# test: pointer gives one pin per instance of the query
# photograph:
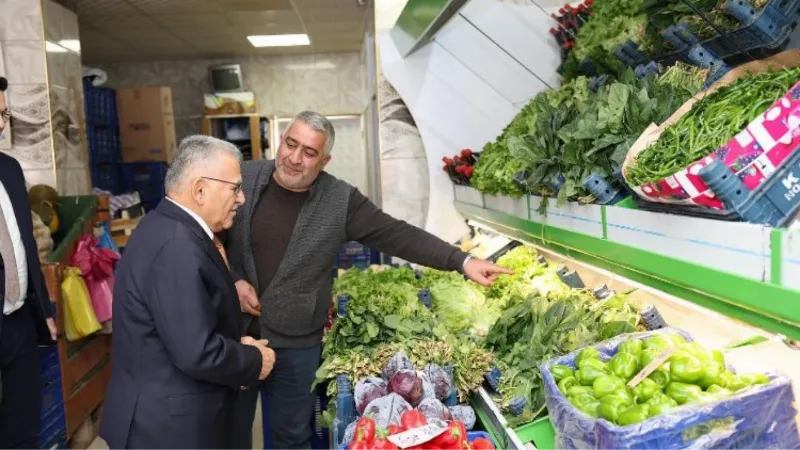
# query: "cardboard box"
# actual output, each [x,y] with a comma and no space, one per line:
[230,103]
[146,124]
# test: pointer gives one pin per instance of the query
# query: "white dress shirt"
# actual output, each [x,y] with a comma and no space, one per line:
[197,218]
[12,304]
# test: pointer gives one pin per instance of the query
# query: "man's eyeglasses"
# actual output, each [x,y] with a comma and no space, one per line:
[237,187]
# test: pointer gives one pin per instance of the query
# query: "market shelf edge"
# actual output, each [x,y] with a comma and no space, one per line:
[753,274]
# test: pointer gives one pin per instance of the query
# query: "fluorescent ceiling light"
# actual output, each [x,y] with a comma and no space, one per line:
[71,44]
[53,47]
[279,40]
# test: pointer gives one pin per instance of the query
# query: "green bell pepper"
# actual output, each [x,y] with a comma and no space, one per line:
[725,379]
[719,357]
[567,383]
[736,383]
[751,379]
[661,403]
[660,376]
[647,355]
[590,408]
[634,414]
[586,376]
[634,347]
[591,362]
[659,342]
[607,384]
[586,403]
[682,392]
[698,351]
[577,390]
[676,339]
[645,390]
[560,372]
[588,352]
[718,390]
[686,369]
[625,394]
[711,372]
[610,407]
[623,365]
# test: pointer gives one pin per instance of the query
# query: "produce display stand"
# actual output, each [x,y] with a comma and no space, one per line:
[745,271]
[710,328]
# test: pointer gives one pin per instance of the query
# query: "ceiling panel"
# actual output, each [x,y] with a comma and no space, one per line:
[120,30]
[253,5]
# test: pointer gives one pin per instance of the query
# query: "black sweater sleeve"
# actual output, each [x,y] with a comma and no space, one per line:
[369,225]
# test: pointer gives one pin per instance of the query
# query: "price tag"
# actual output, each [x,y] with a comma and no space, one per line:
[418,436]
[650,368]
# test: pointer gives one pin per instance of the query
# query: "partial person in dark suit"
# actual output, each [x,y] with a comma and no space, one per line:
[26,321]
[178,358]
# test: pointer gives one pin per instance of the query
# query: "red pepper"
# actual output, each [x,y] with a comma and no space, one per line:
[365,430]
[394,429]
[360,446]
[383,444]
[466,153]
[456,158]
[468,171]
[482,444]
[452,437]
[412,419]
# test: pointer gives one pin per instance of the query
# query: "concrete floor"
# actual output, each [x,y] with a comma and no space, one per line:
[258,433]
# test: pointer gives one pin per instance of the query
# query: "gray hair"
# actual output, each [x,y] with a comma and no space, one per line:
[194,151]
[320,123]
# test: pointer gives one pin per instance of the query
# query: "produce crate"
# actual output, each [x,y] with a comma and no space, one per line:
[354,254]
[145,178]
[763,156]
[471,437]
[759,417]
[540,432]
[100,105]
[104,144]
[107,177]
[53,425]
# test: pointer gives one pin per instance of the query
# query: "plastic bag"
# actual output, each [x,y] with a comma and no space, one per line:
[758,417]
[397,363]
[97,266]
[79,318]
[104,240]
[367,390]
[387,410]
[432,409]
[441,381]
[464,414]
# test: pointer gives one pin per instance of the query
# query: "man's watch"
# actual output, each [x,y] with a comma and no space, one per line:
[464,264]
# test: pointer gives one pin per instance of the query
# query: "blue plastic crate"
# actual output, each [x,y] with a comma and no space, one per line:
[104,144]
[107,177]
[354,254]
[760,417]
[145,178]
[53,425]
[100,105]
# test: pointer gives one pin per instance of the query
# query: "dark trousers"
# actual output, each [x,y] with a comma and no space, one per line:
[290,401]
[19,376]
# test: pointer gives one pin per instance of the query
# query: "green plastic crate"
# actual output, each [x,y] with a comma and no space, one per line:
[540,432]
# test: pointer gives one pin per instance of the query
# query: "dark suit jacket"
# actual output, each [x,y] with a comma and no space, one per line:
[37,298]
[176,358]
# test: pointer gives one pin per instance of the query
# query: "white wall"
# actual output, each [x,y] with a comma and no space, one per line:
[467,84]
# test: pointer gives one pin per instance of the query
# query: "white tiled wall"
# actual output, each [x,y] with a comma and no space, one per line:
[467,84]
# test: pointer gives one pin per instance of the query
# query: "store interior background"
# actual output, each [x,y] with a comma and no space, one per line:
[457,92]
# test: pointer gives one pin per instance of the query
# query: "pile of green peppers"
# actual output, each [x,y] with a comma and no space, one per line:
[692,375]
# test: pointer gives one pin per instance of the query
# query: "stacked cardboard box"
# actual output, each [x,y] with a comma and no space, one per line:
[146,124]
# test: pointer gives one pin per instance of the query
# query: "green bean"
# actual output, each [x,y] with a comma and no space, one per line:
[710,124]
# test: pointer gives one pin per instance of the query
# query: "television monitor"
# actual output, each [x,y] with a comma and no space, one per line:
[225,78]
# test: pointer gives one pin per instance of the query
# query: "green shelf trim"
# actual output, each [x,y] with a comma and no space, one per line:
[765,305]
[776,247]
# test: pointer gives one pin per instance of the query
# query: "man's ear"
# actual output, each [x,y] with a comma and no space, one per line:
[198,190]
[325,160]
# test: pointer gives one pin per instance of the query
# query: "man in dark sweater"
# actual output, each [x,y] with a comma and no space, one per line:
[282,249]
